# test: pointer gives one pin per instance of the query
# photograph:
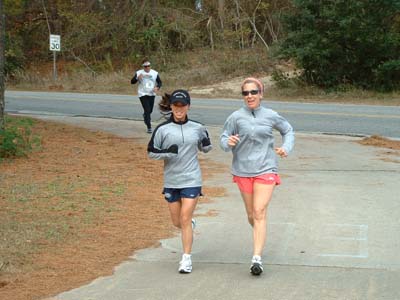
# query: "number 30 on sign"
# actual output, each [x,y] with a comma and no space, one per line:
[55,42]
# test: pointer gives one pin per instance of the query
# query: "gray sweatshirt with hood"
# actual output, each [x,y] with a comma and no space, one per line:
[254,154]
[178,143]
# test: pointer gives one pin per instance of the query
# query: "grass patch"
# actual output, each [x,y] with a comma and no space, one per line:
[39,213]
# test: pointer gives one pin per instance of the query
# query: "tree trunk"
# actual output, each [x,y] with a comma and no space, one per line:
[210,30]
[153,5]
[221,13]
[241,42]
[270,25]
[2,45]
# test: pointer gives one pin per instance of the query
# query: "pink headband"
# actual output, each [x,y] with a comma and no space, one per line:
[256,81]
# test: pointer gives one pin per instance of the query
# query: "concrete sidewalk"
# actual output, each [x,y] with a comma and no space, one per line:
[333,231]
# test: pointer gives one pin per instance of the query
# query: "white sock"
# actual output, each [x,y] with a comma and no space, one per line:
[185,255]
[256,258]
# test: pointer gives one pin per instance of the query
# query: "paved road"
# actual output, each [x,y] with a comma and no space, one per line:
[333,231]
[305,117]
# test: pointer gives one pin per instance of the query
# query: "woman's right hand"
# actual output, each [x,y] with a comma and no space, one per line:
[173,149]
[233,140]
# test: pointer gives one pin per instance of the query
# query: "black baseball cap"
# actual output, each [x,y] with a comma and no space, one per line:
[181,96]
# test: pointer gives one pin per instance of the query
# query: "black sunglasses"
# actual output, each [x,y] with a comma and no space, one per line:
[253,92]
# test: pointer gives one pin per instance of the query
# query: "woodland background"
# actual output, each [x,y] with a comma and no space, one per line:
[329,44]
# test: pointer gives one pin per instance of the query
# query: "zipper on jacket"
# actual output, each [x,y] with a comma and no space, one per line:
[183,138]
[252,112]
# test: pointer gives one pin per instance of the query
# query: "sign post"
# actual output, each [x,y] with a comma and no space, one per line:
[55,45]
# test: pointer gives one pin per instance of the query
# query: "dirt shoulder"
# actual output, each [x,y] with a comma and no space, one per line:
[77,208]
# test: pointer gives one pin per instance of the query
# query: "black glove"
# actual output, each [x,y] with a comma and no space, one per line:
[205,142]
[173,149]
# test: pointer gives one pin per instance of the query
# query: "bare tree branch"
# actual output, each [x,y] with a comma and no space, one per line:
[253,24]
[47,18]
[259,35]
[82,62]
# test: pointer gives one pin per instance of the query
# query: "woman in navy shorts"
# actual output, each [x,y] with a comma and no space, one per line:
[248,133]
[177,142]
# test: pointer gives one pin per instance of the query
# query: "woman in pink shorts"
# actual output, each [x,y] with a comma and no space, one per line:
[248,133]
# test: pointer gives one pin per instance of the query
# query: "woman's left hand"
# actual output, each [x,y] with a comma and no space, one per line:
[281,152]
[233,140]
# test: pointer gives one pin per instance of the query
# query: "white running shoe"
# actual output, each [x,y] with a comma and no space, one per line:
[185,265]
[256,267]
[193,223]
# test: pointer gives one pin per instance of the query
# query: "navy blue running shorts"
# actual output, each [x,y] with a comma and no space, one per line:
[173,195]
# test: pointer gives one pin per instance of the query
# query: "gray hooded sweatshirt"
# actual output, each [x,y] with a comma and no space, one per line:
[182,169]
[254,154]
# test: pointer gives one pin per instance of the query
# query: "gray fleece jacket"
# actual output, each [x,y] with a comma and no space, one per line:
[254,154]
[178,145]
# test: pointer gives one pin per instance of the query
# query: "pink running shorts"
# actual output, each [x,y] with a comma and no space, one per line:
[245,184]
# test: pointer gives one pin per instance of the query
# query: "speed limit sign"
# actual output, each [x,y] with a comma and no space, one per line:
[55,42]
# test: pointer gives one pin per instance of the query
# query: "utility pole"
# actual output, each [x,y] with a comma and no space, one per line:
[2,47]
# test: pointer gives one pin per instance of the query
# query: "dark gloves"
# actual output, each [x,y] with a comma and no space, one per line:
[173,149]
[205,142]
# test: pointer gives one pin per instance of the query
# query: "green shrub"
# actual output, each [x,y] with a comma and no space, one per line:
[388,75]
[17,139]
[345,42]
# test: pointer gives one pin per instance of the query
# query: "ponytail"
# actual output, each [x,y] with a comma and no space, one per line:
[164,105]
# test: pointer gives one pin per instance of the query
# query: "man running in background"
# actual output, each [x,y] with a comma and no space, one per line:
[149,84]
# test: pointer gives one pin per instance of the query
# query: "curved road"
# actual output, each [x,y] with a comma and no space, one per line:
[305,117]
